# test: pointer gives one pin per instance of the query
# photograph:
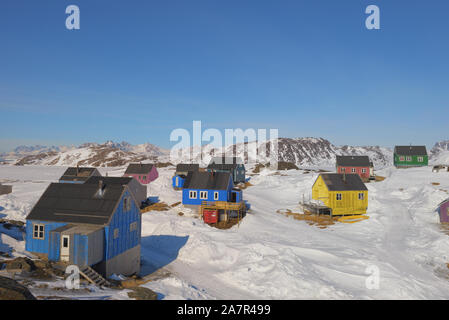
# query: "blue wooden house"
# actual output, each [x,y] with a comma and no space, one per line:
[79,174]
[233,165]
[182,170]
[92,224]
[202,187]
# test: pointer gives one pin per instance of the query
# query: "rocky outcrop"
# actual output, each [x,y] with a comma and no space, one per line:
[12,290]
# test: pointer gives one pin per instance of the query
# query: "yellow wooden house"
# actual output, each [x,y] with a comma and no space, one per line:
[344,194]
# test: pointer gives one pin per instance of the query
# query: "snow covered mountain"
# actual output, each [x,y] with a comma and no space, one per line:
[439,154]
[304,152]
[109,154]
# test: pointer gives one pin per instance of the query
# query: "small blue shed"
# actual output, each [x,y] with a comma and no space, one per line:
[178,182]
[91,224]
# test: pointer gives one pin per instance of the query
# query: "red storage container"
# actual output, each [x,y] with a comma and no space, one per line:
[210,216]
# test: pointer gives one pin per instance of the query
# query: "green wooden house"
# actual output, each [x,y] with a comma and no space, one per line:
[410,156]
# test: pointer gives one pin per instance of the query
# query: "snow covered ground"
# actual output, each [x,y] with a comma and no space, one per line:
[270,256]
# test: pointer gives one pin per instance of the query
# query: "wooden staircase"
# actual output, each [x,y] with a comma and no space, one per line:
[94,277]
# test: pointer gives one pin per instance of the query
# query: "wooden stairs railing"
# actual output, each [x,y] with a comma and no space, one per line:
[94,277]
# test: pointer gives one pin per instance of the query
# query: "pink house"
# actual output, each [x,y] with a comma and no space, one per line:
[144,173]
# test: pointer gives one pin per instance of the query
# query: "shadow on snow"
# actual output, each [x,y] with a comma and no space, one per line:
[159,251]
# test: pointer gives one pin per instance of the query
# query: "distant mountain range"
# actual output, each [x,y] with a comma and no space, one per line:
[304,152]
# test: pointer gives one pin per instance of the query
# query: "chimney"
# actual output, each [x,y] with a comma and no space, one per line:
[100,188]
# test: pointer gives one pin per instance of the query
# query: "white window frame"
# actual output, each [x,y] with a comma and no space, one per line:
[216,195]
[363,170]
[341,196]
[203,195]
[361,196]
[408,158]
[193,194]
[40,230]
[342,169]
[420,159]
[353,170]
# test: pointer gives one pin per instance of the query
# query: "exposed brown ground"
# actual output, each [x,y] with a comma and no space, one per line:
[225,225]
[175,204]
[435,183]
[379,178]
[245,185]
[320,221]
[160,206]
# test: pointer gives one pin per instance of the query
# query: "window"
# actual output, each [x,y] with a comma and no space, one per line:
[339,196]
[116,233]
[361,196]
[353,170]
[401,158]
[203,195]
[343,169]
[409,158]
[420,159]
[126,204]
[192,194]
[65,242]
[39,231]
[364,170]
[215,195]
[133,226]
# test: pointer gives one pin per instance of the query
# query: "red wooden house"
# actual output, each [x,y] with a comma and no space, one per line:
[360,165]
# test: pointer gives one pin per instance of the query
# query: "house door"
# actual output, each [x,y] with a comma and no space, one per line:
[65,248]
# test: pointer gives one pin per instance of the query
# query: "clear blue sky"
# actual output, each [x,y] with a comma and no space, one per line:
[139,69]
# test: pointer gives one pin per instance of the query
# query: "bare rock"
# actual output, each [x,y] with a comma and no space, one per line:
[12,290]
[141,293]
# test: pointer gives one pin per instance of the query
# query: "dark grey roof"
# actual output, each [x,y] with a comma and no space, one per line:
[139,168]
[207,180]
[343,182]
[110,180]
[410,150]
[79,171]
[73,178]
[353,161]
[78,174]
[226,160]
[77,203]
[224,163]
[226,167]
[183,167]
